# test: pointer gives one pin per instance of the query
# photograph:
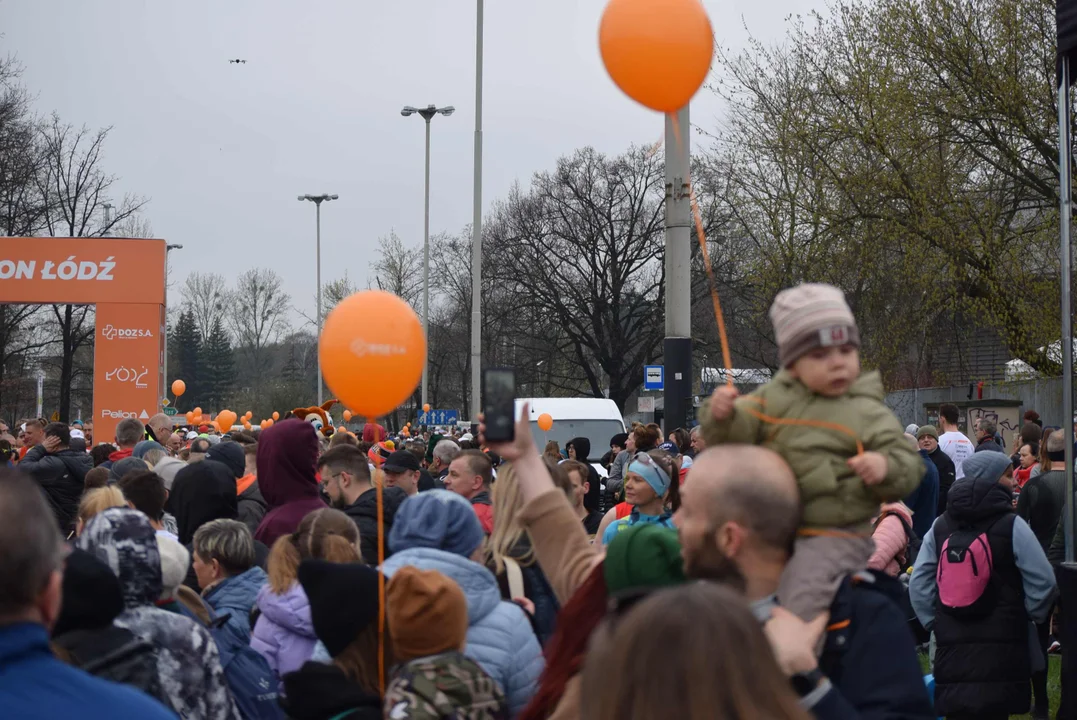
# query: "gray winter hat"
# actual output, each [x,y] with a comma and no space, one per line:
[988,465]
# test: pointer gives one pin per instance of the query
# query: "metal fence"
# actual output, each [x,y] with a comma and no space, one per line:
[1043,395]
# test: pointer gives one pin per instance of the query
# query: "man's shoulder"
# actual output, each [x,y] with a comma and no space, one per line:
[83,695]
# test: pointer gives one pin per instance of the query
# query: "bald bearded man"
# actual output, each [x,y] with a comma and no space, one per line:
[737,524]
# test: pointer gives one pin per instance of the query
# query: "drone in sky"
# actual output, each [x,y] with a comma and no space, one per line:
[237,61]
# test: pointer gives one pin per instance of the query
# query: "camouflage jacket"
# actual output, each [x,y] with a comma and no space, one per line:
[449,685]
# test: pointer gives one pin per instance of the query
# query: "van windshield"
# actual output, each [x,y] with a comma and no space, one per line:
[598,432]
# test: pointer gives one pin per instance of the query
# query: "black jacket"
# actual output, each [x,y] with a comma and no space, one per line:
[426,482]
[982,662]
[320,691]
[869,656]
[115,654]
[251,507]
[364,512]
[62,475]
[1040,505]
[947,475]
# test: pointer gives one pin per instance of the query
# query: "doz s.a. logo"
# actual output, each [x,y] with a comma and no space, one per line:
[111,332]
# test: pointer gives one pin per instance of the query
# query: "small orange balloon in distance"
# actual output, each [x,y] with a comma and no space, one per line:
[347,415]
[246,424]
[190,417]
[657,51]
[178,387]
[198,411]
[270,422]
[372,366]
[249,414]
[545,422]
[426,407]
[276,415]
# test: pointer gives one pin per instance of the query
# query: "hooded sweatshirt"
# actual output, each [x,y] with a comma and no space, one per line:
[582,447]
[202,492]
[188,665]
[252,506]
[287,454]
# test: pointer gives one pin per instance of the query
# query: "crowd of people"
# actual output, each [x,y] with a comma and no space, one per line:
[782,559]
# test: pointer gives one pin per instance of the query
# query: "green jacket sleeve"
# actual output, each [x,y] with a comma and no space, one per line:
[741,427]
[905,468]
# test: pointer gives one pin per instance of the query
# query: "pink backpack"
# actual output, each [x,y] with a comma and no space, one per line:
[964,571]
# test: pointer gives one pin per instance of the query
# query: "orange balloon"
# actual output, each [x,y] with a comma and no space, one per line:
[347,415]
[372,366]
[658,53]
[246,424]
[426,407]
[225,420]
[263,424]
[190,417]
[248,415]
[545,422]
[276,415]
[269,422]
[178,387]
[198,411]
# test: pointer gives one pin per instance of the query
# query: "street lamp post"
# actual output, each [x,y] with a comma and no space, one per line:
[476,229]
[168,249]
[427,113]
[318,200]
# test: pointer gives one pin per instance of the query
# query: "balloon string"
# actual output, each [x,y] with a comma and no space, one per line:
[381,580]
[720,317]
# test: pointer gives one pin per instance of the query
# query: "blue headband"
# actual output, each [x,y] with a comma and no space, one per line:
[655,476]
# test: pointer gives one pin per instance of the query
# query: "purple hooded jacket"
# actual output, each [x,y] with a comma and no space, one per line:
[287,459]
[284,634]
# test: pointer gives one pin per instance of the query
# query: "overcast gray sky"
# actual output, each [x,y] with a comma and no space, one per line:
[222,150]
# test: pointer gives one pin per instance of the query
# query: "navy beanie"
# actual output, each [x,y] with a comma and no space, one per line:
[436,519]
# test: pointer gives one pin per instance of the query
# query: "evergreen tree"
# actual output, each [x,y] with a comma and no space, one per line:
[292,374]
[185,343]
[218,368]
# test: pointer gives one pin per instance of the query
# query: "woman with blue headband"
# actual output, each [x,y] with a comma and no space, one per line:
[647,482]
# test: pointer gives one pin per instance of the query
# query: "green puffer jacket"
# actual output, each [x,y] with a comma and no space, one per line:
[832,495]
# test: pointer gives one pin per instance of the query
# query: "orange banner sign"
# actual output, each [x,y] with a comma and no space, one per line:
[82,271]
[128,357]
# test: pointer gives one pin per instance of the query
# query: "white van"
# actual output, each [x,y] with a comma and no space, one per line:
[596,419]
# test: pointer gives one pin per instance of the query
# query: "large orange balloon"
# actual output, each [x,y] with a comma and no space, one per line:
[372,352]
[225,419]
[178,387]
[657,51]
[545,422]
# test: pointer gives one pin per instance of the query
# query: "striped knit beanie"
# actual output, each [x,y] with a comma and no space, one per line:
[811,316]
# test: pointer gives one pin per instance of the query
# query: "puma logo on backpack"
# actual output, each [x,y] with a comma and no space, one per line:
[964,571]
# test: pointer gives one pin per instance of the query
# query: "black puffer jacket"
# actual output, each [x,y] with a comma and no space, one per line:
[62,476]
[364,512]
[982,662]
[324,692]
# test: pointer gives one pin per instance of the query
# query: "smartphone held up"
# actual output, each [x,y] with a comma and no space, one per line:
[499,403]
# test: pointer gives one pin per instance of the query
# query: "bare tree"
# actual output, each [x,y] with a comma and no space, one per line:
[580,254]
[75,189]
[332,293]
[258,318]
[22,211]
[399,270]
[207,296]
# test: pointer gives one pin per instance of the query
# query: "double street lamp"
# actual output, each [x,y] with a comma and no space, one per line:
[318,200]
[427,113]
